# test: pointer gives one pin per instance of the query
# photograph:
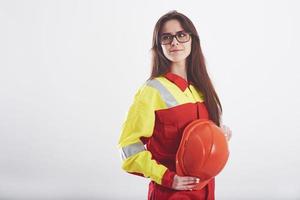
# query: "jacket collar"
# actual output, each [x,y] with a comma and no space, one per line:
[177,80]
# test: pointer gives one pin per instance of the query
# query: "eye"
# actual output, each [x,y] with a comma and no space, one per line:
[166,37]
[182,34]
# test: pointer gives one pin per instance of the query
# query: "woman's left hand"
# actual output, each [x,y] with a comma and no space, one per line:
[227,131]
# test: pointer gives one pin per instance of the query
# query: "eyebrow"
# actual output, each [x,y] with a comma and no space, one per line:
[168,33]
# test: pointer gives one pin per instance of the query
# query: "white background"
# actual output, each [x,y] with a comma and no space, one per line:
[69,70]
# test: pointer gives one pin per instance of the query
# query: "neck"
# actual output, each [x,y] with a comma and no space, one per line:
[179,69]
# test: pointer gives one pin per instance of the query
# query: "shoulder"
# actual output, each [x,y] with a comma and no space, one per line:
[157,85]
[151,86]
[149,92]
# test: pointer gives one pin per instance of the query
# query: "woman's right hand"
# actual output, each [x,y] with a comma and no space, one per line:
[184,182]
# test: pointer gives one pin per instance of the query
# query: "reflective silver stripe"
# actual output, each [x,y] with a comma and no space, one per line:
[165,94]
[132,149]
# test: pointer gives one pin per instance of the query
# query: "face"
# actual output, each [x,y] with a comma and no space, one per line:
[176,51]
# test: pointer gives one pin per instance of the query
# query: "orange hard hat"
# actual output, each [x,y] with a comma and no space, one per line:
[203,151]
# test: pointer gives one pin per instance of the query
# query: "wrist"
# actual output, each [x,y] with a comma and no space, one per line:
[168,178]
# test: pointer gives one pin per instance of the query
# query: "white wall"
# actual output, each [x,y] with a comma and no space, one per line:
[69,70]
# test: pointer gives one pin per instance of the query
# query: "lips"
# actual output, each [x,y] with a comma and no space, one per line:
[174,50]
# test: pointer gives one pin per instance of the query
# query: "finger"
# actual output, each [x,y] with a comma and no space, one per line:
[186,187]
[190,187]
[189,182]
[190,179]
[184,184]
[226,129]
[226,136]
[230,135]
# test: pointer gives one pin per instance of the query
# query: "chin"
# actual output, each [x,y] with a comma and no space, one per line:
[176,59]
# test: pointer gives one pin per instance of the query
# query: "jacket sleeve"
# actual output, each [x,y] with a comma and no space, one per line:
[139,122]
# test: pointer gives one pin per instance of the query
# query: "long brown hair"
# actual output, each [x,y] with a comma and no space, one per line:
[196,68]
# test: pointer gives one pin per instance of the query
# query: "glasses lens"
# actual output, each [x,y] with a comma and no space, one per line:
[182,37]
[166,39]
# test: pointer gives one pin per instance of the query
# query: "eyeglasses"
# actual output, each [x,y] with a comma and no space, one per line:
[181,36]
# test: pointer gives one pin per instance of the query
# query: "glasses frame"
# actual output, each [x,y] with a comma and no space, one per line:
[176,36]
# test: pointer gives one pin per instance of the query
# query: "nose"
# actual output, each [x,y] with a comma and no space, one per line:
[174,41]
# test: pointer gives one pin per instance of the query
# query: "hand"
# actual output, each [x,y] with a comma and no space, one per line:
[184,182]
[227,131]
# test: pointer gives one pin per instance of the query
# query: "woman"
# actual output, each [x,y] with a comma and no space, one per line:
[178,92]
